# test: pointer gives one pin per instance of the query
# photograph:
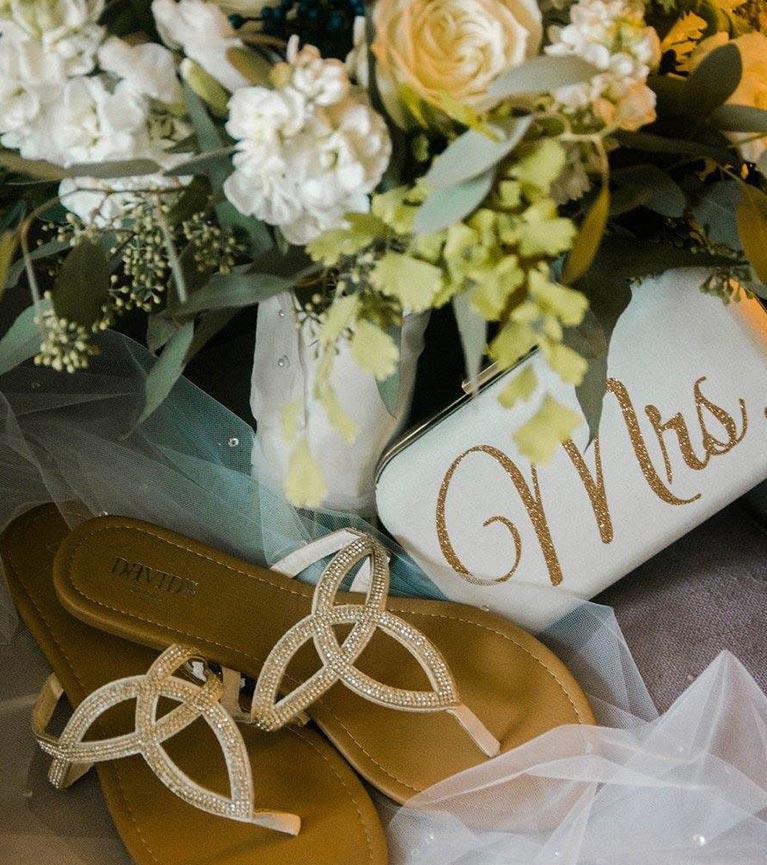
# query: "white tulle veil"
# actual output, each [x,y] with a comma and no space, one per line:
[688,786]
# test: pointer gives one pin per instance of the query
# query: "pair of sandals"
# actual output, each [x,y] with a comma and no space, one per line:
[197,769]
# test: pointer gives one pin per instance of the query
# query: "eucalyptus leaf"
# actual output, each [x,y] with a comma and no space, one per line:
[232,291]
[115,168]
[205,163]
[591,342]
[166,371]
[33,168]
[739,118]
[45,250]
[714,80]
[715,211]
[473,153]
[752,228]
[542,74]
[159,330]
[207,327]
[21,342]
[447,206]
[589,237]
[82,284]
[250,64]
[472,328]
[194,199]
[652,143]
[208,136]
[650,187]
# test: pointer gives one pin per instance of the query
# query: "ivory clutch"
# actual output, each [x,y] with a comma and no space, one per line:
[683,433]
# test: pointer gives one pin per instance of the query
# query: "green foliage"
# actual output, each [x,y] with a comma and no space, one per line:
[714,210]
[167,371]
[752,228]
[541,75]
[714,80]
[21,342]
[589,237]
[81,293]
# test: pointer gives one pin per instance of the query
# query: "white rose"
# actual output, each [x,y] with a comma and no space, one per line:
[203,33]
[148,69]
[451,46]
[752,89]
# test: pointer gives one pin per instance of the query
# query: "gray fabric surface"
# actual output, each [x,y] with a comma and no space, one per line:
[705,593]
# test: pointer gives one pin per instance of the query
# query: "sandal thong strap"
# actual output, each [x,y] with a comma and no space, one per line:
[270,712]
[73,757]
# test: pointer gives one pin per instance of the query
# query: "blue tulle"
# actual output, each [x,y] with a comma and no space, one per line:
[71,438]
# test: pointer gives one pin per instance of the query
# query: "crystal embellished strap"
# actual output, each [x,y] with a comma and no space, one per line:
[72,756]
[314,551]
[270,712]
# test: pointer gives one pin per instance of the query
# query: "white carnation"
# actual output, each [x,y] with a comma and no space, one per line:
[67,28]
[308,153]
[613,36]
[147,68]
[203,33]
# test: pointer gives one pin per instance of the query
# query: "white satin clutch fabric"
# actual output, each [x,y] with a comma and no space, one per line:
[683,433]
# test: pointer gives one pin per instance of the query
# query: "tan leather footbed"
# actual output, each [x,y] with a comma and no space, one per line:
[295,770]
[154,586]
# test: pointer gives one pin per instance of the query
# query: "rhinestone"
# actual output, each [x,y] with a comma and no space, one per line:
[150,732]
[283,362]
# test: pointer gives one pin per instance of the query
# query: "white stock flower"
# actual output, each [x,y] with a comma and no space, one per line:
[30,80]
[203,33]
[613,36]
[91,123]
[324,82]
[149,69]
[67,28]
[307,153]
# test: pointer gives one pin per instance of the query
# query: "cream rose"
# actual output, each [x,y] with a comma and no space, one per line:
[752,89]
[454,47]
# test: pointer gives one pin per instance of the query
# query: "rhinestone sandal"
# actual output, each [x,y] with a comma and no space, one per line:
[183,782]
[469,684]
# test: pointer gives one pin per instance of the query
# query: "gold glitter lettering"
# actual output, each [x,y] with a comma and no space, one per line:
[631,420]
[533,505]
[594,486]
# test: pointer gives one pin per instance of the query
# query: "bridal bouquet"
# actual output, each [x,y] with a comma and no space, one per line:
[520,160]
